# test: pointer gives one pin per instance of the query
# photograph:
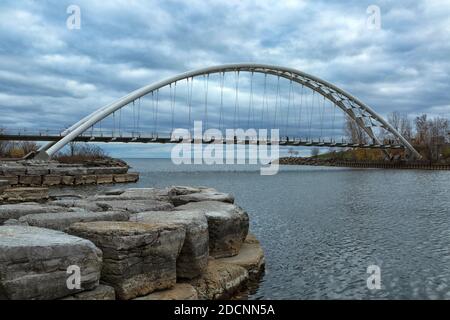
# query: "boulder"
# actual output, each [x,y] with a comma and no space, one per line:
[62,220]
[139,258]
[227,225]
[102,292]
[180,195]
[137,206]
[34,263]
[220,280]
[250,257]
[15,211]
[193,258]
[181,291]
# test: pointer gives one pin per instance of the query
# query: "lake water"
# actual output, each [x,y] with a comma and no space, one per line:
[322,227]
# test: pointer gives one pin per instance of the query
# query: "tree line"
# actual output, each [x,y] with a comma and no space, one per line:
[430,136]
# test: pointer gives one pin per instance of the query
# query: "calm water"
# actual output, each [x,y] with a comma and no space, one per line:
[322,227]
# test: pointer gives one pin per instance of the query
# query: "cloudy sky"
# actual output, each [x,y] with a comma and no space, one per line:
[51,76]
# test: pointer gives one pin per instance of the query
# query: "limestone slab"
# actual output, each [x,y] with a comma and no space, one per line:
[193,258]
[139,258]
[34,263]
[62,220]
[227,225]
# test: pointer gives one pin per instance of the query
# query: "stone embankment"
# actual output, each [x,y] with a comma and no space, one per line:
[145,244]
[45,174]
[398,164]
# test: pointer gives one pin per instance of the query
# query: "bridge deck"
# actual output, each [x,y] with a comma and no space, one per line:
[140,139]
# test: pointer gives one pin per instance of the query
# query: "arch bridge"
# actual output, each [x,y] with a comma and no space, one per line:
[307,110]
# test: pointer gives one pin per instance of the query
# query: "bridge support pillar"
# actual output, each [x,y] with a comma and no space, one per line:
[42,155]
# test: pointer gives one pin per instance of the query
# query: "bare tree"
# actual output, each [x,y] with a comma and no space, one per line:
[354,132]
[401,123]
[80,152]
[439,128]
[422,129]
[4,145]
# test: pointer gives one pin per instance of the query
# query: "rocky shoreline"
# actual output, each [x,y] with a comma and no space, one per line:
[139,243]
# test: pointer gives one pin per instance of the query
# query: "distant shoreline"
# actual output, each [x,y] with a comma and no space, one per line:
[399,164]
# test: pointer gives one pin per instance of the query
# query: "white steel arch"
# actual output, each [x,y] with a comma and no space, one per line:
[366,117]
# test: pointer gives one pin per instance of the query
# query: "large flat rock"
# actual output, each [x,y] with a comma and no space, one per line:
[137,205]
[220,280]
[134,194]
[180,195]
[34,262]
[62,220]
[81,203]
[250,257]
[181,291]
[15,211]
[193,258]
[139,258]
[227,225]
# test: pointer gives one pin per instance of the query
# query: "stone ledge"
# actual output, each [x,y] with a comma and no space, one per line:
[69,180]
[24,194]
[181,291]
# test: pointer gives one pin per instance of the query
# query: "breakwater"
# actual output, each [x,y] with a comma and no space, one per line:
[52,173]
[146,244]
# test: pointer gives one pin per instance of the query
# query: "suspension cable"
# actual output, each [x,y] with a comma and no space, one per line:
[276,103]
[332,123]
[300,111]
[323,115]
[206,85]
[221,100]
[288,107]
[250,101]
[264,100]
[236,102]
[139,115]
[311,115]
